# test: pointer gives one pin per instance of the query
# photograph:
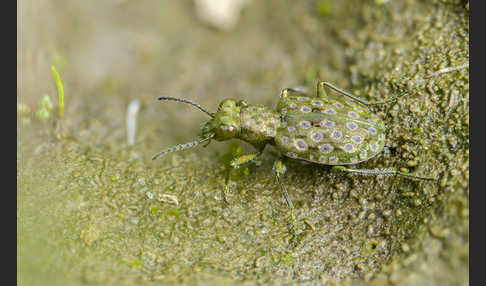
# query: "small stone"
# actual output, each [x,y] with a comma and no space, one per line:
[371,229]
[166,198]
[412,163]
[363,202]
[222,14]
[90,235]
[405,247]
[372,216]
[310,224]
[387,213]
[408,194]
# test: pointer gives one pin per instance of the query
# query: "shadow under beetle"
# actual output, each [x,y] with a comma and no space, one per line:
[314,129]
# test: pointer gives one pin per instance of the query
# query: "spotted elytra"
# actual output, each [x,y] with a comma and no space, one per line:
[314,129]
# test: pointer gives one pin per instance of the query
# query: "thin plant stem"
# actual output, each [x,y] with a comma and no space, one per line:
[60,91]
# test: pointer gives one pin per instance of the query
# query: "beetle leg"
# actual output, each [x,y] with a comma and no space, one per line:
[386,172]
[321,91]
[279,169]
[240,160]
[235,164]
[322,84]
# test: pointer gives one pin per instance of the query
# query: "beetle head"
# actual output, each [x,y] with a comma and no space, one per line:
[224,124]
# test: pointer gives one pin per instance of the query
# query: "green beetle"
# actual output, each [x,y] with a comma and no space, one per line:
[314,129]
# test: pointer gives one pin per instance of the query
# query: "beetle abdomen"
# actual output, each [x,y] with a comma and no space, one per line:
[328,132]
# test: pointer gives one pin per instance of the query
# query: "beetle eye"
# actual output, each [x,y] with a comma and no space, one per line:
[226,131]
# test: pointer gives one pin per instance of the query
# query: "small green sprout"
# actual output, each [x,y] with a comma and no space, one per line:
[25,113]
[60,91]
[44,109]
[23,108]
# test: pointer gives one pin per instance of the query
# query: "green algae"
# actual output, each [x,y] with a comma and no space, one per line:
[103,220]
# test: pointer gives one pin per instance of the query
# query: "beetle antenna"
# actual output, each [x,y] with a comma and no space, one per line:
[184,146]
[187,101]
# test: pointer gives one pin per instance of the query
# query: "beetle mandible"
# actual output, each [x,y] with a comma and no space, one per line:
[314,129]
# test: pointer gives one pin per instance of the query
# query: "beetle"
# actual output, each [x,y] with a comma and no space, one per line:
[316,129]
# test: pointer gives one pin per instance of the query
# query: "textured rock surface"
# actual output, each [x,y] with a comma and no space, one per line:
[93,211]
